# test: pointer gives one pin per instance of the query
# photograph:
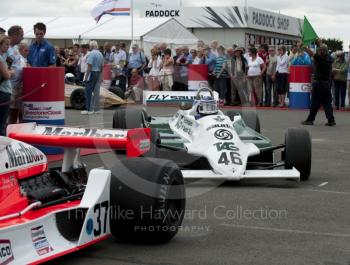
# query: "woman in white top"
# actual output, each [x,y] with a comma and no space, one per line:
[281,76]
[155,64]
[256,69]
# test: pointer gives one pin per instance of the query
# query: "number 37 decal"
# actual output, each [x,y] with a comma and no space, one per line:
[101,215]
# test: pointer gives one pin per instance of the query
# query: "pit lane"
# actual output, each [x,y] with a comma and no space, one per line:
[255,222]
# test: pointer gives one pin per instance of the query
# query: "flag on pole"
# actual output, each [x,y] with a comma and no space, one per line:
[112,7]
[309,34]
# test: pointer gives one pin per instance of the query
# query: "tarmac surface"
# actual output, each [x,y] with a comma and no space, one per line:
[255,222]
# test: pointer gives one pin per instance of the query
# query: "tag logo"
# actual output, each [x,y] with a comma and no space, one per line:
[6,254]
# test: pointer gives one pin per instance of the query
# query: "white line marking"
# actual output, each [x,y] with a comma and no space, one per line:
[319,140]
[291,231]
[331,192]
[323,184]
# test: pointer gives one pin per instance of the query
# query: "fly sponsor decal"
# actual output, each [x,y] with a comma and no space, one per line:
[40,242]
[22,155]
[6,254]
[169,98]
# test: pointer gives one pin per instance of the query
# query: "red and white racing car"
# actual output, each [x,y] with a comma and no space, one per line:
[47,213]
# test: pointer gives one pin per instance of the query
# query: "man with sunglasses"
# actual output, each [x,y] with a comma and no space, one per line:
[41,52]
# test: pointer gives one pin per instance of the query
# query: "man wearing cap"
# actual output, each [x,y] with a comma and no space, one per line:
[321,86]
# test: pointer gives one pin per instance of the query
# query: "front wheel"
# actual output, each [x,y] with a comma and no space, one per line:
[298,152]
[152,192]
[250,118]
[77,99]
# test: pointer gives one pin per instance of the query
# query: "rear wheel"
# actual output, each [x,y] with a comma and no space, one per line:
[77,99]
[250,118]
[129,119]
[152,192]
[298,151]
[118,92]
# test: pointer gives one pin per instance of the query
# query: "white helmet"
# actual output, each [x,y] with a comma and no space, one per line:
[207,105]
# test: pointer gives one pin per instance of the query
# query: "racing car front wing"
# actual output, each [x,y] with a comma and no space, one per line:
[249,174]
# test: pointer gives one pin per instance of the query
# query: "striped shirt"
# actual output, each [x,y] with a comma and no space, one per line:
[220,61]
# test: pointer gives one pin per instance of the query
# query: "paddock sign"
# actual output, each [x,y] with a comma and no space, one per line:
[171,13]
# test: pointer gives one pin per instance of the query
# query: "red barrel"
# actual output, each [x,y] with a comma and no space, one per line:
[43,97]
[300,87]
[107,75]
[197,76]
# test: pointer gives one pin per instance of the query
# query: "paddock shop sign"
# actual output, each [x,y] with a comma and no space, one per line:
[265,20]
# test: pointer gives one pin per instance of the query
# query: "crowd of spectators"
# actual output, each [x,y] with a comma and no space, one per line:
[252,76]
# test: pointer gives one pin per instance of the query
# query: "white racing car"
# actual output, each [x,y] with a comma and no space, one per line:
[209,144]
[47,213]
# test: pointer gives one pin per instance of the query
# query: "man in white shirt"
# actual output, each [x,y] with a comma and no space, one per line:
[82,63]
[119,55]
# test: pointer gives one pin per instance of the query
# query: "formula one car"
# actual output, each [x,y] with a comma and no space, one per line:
[208,144]
[74,97]
[47,213]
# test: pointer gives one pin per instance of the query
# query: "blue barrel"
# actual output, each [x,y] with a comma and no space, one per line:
[43,102]
[300,87]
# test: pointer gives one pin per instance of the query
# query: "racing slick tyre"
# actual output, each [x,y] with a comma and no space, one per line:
[152,192]
[77,99]
[250,118]
[118,92]
[136,118]
[298,152]
[129,118]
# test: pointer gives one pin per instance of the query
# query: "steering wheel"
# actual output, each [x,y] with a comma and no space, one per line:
[204,89]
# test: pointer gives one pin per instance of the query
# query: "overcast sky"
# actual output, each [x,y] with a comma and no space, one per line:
[329,18]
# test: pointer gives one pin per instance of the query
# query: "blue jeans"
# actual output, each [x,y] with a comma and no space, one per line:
[92,92]
[220,87]
[340,93]
[5,99]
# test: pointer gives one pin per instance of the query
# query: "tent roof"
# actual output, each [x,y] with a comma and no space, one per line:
[120,28]
[171,32]
[85,27]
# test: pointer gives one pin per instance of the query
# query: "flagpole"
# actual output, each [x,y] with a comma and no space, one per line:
[132,22]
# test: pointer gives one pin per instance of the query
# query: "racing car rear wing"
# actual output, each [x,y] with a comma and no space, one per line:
[136,142]
[171,97]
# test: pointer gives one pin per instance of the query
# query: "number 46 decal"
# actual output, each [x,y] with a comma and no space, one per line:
[228,158]
[101,220]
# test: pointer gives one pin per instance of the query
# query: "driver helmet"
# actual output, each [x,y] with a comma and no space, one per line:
[207,106]
[70,78]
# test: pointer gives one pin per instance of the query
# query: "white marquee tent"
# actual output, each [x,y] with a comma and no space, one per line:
[147,31]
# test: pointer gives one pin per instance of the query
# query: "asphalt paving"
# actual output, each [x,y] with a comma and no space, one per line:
[251,222]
